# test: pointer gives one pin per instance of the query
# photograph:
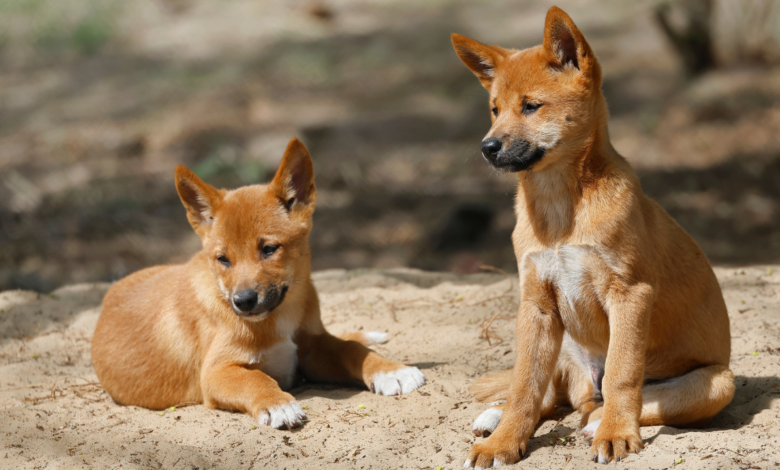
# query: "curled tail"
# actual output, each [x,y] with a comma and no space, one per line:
[690,400]
[367,338]
[494,387]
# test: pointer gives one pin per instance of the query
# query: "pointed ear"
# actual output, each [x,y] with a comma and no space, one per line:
[567,44]
[294,180]
[482,59]
[200,199]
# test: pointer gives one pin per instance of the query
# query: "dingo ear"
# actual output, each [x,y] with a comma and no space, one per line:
[199,198]
[294,180]
[568,45]
[482,59]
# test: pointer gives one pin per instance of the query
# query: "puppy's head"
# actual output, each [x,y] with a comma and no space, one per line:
[255,237]
[544,101]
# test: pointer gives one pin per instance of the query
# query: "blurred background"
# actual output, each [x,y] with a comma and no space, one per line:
[100,100]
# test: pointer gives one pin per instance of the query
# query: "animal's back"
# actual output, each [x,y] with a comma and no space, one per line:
[134,349]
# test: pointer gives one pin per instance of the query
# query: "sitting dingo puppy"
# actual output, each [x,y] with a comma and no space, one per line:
[230,328]
[617,301]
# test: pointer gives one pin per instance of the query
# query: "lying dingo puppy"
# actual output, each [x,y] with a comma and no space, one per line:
[231,328]
[617,301]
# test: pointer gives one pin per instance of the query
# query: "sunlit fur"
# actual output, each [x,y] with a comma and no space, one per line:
[610,285]
[168,335]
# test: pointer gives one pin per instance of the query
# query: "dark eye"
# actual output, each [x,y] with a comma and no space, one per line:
[268,250]
[223,259]
[494,111]
[529,108]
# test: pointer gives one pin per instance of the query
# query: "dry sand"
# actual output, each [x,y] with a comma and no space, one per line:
[54,415]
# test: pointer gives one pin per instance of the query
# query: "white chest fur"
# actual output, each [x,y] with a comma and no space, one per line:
[566,267]
[279,362]
[579,272]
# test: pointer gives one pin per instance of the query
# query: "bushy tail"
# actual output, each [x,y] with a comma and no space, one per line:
[494,387]
[367,338]
[690,400]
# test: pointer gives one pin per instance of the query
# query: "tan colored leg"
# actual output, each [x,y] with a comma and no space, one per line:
[629,316]
[233,387]
[326,358]
[539,336]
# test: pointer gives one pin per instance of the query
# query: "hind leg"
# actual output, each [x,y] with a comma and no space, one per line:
[691,400]
[571,385]
[324,358]
[576,384]
[488,420]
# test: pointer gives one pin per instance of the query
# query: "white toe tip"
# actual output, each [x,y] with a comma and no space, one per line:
[467,463]
[376,337]
[287,416]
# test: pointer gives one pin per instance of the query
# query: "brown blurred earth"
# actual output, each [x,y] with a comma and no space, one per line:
[100,100]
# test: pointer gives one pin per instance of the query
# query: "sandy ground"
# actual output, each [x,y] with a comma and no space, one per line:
[53,414]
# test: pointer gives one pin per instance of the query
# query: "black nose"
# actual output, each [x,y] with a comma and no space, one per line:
[245,300]
[490,148]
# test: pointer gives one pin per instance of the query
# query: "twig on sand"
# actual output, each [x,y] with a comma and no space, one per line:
[486,330]
[349,414]
[505,294]
[186,403]
[427,301]
[493,269]
[24,387]
[75,388]
[422,300]
[391,307]
[487,363]
[485,326]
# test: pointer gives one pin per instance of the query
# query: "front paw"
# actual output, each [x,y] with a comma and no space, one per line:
[495,451]
[283,416]
[611,444]
[397,382]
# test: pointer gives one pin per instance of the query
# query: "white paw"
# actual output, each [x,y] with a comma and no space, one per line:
[397,382]
[496,463]
[284,417]
[375,337]
[487,422]
[589,431]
